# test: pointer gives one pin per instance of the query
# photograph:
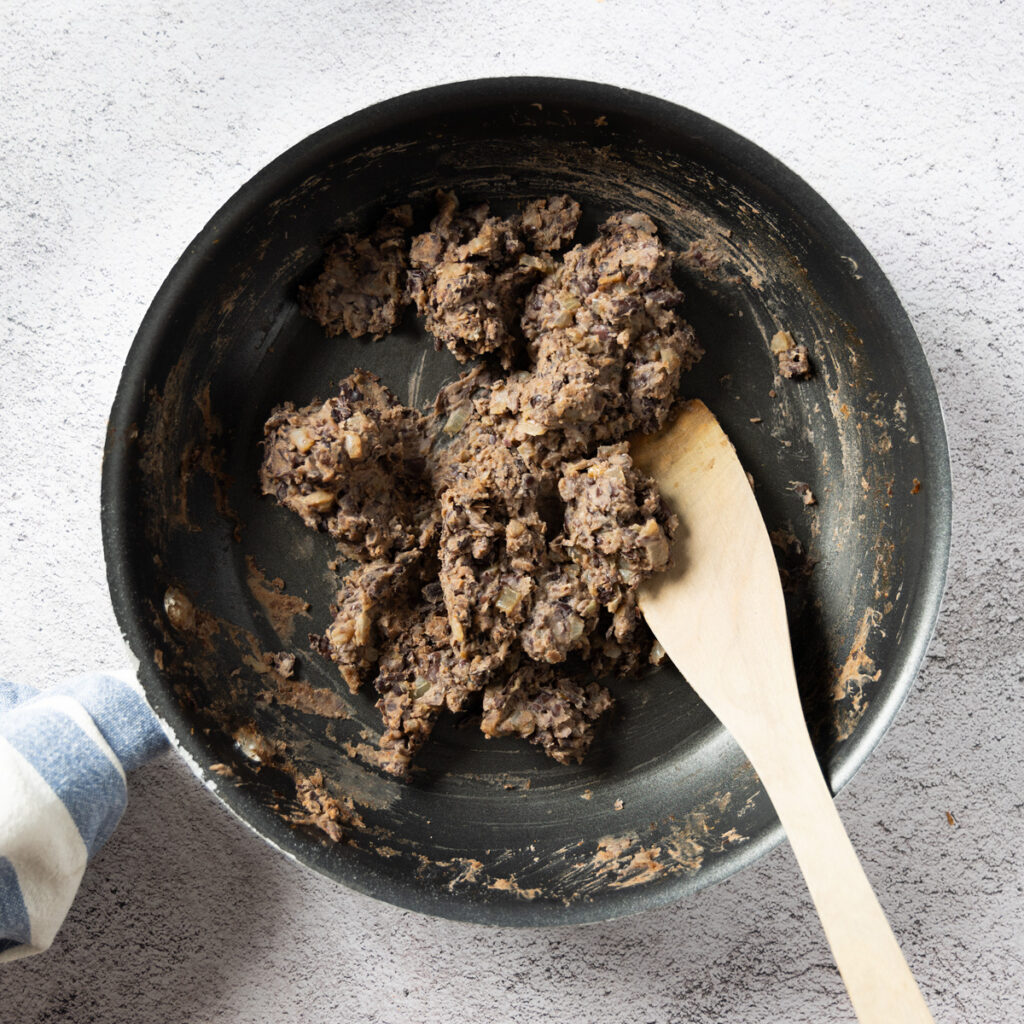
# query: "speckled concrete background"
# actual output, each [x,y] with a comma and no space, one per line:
[124,125]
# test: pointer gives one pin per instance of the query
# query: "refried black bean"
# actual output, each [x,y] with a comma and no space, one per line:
[502,537]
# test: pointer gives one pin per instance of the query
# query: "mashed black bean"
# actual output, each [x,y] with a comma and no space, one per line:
[500,538]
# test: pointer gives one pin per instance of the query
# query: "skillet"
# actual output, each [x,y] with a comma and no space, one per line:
[210,580]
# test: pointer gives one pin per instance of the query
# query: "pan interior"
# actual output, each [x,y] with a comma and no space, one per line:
[209,577]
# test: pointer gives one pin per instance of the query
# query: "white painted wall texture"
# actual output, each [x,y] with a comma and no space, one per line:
[124,125]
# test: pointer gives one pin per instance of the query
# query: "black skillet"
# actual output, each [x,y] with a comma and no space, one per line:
[491,831]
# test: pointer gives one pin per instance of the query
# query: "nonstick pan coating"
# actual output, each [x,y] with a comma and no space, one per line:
[209,579]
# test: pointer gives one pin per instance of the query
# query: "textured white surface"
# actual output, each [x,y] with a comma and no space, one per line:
[124,125]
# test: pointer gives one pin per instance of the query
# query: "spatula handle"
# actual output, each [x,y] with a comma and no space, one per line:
[881,987]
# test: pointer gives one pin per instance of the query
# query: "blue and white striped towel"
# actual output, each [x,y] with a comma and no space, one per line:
[63,758]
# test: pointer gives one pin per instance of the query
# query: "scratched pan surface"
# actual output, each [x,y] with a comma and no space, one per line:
[492,831]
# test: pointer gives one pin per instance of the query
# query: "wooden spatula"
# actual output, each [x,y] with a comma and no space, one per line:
[720,615]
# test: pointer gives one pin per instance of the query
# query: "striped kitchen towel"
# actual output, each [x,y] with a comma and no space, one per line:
[63,757]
